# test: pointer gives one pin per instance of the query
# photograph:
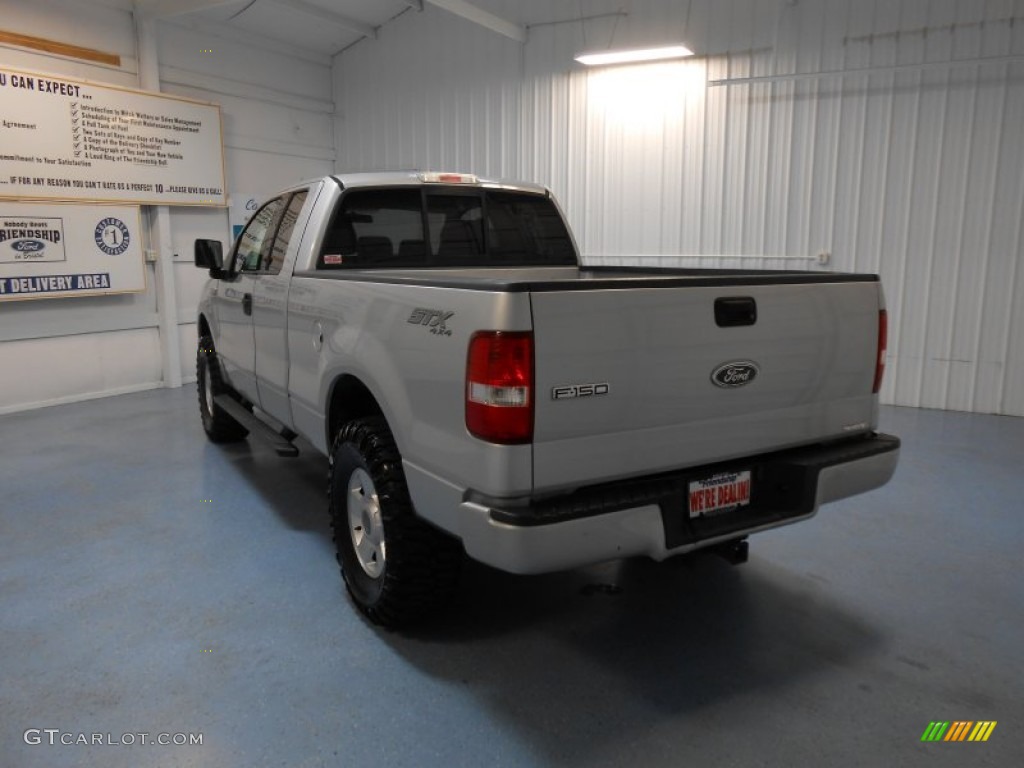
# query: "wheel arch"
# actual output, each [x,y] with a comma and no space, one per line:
[203,327]
[349,398]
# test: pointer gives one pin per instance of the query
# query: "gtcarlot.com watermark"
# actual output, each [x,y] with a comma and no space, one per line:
[55,736]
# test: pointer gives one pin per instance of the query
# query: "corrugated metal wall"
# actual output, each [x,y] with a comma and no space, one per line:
[888,135]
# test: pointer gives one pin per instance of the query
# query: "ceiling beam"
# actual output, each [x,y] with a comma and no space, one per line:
[165,9]
[484,18]
[59,48]
[322,13]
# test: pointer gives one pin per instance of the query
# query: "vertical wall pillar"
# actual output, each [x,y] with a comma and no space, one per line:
[159,217]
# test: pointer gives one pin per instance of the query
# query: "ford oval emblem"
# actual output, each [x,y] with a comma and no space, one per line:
[28,246]
[736,374]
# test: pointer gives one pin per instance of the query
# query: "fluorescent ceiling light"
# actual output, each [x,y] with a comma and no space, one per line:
[641,54]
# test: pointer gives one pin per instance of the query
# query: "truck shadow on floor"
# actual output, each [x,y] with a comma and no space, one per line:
[295,489]
[585,663]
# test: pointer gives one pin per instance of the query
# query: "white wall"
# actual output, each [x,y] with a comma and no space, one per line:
[913,169]
[277,118]
[277,114]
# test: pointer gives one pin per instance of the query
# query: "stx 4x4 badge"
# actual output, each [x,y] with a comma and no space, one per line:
[434,319]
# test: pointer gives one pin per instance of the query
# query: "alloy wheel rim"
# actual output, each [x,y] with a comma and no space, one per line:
[208,389]
[365,523]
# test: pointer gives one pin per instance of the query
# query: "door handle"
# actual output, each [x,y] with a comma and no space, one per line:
[731,312]
[247,303]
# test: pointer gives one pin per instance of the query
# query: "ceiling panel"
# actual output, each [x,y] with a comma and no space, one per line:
[280,20]
[299,29]
[223,13]
[285,21]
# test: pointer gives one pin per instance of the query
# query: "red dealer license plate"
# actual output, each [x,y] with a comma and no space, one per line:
[719,493]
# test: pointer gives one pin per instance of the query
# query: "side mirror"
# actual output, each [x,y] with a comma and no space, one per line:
[209,254]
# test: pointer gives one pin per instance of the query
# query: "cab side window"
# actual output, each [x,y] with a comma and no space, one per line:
[274,259]
[376,227]
[257,237]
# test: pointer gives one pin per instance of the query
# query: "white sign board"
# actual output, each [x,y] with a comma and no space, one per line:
[69,250]
[66,139]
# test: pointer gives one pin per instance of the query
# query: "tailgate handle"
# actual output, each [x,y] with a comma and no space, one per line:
[735,311]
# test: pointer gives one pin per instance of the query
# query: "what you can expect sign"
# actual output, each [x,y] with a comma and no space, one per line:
[69,250]
[67,139]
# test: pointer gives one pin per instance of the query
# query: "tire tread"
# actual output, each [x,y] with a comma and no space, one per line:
[423,563]
[218,425]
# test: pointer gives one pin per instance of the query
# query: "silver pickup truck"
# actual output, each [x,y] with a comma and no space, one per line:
[477,390]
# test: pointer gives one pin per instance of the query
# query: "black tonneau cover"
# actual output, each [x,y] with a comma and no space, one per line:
[541,279]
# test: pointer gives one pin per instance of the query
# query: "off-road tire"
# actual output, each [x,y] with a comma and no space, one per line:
[419,564]
[217,423]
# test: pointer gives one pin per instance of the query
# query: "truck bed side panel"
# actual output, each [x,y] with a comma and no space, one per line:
[416,375]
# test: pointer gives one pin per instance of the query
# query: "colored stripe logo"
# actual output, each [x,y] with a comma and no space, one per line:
[959,730]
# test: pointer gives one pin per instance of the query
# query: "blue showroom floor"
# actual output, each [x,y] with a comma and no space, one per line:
[151,582]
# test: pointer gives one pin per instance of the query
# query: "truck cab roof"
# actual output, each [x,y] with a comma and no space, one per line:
[420,178]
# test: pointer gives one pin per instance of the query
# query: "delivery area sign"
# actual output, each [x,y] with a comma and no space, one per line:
[66,139]
[69,250]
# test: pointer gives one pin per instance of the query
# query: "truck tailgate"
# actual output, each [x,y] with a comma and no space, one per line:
[624,376]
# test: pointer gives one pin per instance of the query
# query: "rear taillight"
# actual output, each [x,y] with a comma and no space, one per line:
[883,341]
[499,387]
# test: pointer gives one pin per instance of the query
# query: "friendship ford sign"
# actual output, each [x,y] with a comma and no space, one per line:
[69,250]
[37,238]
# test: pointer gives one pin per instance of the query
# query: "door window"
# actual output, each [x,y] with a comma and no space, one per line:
[257,237]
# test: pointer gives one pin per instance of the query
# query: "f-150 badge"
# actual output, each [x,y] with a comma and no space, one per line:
[735,374]
[571,391]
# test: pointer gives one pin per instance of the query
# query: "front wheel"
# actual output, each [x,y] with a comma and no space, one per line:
[217,423]
[396,567]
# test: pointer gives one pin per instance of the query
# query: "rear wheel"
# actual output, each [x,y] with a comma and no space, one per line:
[219,426]
[396,567]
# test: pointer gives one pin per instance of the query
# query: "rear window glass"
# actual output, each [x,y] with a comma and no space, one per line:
[456,225]
[526,226]
[445,227]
